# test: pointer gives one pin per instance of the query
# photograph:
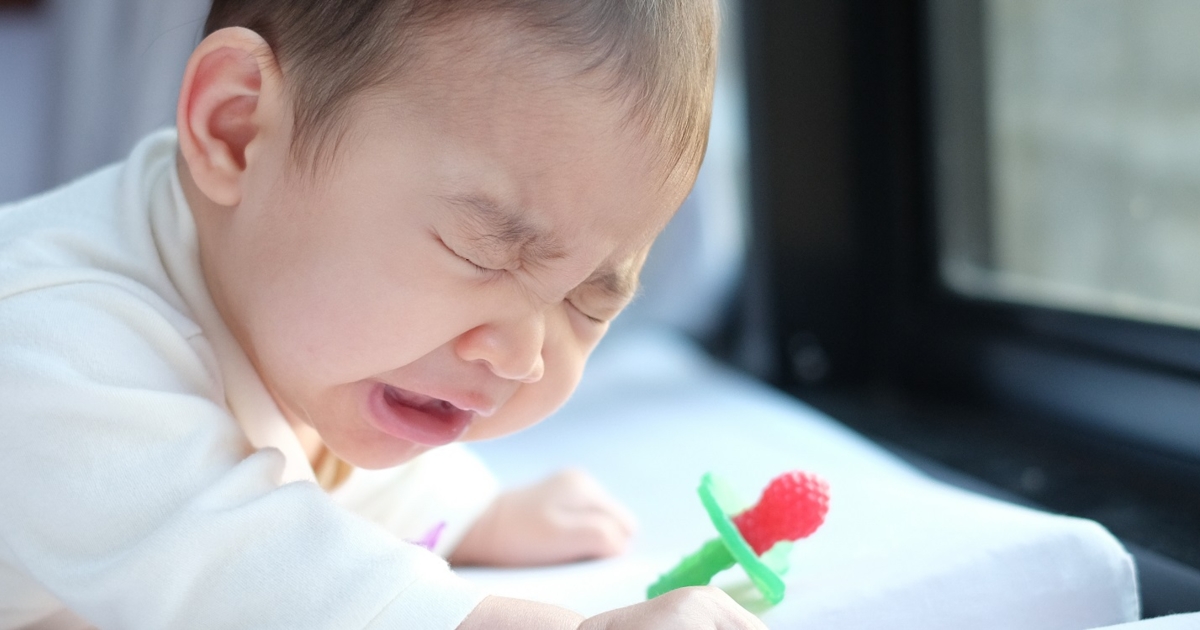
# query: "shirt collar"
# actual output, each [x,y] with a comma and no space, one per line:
[245,394]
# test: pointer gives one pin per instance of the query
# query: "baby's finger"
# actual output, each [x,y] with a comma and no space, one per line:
[609,508]
[595,536]
[714,606]
[598,498]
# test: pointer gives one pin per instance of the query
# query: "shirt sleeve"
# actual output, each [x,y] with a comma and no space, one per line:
[128,491]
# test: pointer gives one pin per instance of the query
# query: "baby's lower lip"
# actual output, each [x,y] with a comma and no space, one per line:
[416,418]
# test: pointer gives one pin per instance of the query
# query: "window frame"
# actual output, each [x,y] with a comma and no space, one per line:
[1125,380]
[844,180]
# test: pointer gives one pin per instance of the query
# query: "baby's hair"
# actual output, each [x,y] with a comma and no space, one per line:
[659,56]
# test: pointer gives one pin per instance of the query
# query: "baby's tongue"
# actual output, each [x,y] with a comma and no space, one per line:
[419,418]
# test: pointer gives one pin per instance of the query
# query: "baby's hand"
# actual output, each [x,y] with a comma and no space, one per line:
[693,608]
[565,518]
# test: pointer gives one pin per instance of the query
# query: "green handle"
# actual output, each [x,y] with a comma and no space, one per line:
[697,569]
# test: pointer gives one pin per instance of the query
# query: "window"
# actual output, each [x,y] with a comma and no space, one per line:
[1068,154]
[977,215]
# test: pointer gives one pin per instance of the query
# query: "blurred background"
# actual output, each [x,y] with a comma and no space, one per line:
[969,229]
[83,81]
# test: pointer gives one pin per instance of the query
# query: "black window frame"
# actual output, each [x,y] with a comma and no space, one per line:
[845,256]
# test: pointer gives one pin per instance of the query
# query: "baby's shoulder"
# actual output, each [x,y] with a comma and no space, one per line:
[74,217]
[82,279]
[66,330]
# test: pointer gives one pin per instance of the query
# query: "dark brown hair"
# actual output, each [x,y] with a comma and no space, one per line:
[659,54]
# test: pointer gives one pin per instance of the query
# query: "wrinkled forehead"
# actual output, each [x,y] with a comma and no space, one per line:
[479,63]
[536,155]
[506,94]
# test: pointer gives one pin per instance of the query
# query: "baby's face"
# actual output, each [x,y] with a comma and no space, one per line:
[448,276]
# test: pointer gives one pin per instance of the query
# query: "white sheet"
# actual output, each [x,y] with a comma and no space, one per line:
[898,550]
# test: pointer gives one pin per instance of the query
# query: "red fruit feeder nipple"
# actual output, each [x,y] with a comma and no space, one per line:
[792,507]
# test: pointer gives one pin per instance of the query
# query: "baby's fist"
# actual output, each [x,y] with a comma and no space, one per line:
[564,518]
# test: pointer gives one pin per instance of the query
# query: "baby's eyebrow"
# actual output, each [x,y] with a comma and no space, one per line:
[508,228]
[621,286]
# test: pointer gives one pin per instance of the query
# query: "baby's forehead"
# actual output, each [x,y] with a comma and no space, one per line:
[474,70]
[463,55]
[483,83]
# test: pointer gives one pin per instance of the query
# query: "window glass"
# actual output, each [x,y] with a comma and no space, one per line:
[1068,153]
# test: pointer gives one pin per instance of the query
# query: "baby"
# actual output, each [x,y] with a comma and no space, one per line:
[379,227]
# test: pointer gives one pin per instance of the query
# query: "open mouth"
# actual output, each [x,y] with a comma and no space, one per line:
[416,417]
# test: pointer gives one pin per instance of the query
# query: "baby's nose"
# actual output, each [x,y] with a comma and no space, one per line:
[512,350]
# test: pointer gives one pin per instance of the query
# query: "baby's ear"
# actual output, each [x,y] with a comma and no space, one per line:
[230,97]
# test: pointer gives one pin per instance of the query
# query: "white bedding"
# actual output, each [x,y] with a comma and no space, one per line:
[898,550]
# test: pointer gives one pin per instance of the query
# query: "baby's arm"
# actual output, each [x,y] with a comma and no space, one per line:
[565,518]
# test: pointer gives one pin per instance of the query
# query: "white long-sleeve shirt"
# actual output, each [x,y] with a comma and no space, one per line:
[147,479]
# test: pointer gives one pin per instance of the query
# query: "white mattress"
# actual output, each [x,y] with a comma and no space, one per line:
[898,550]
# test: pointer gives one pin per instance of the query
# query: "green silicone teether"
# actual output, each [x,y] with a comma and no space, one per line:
[796,497]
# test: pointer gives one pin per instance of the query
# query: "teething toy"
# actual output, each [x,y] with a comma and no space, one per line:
[792,507]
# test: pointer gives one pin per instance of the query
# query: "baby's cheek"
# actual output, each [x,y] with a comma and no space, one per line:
[532,403]
[565,353]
